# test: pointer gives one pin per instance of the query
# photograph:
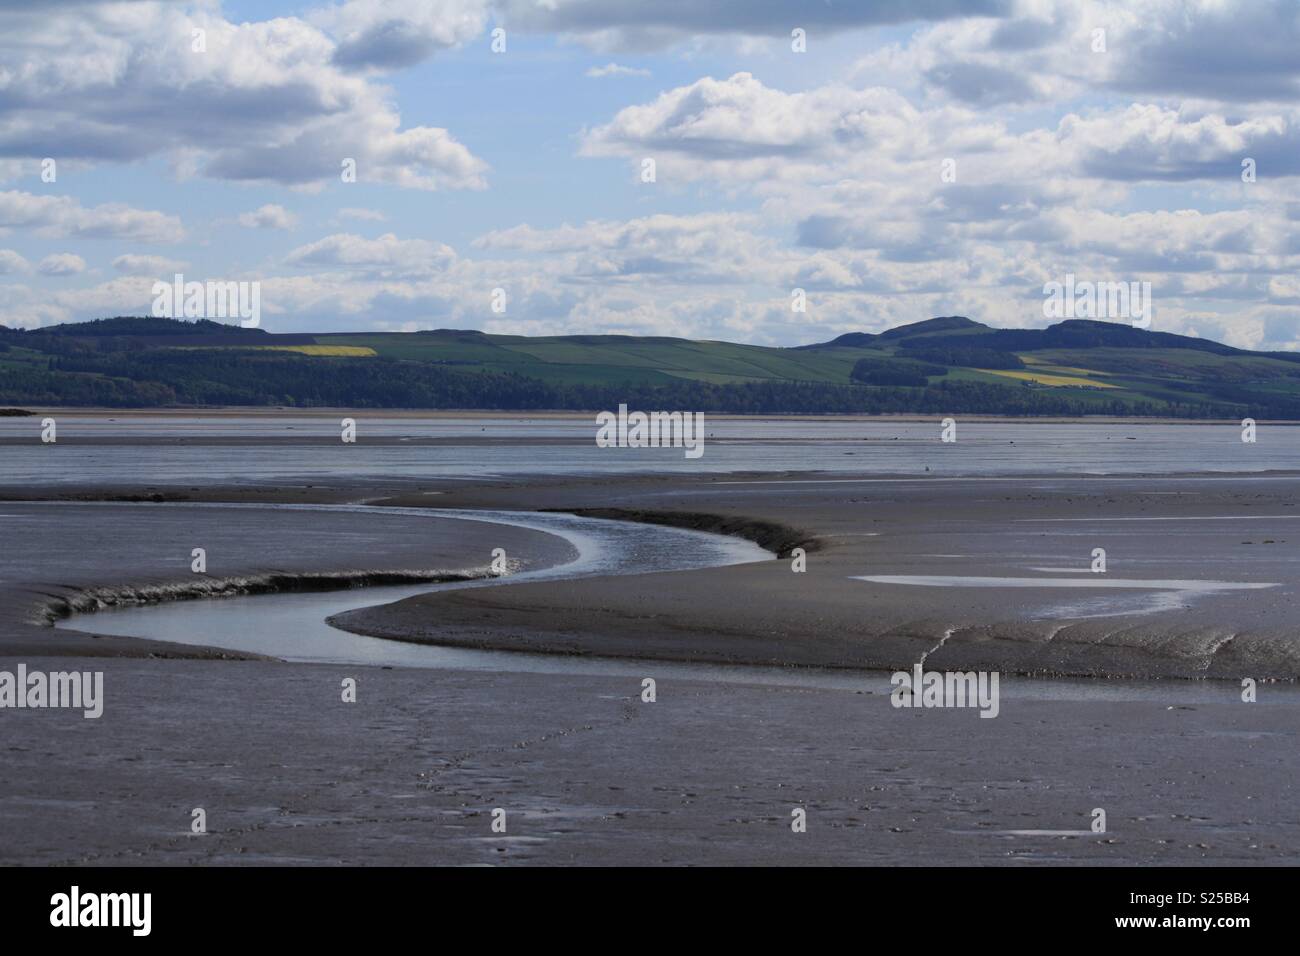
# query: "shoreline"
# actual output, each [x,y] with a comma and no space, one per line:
[283,411]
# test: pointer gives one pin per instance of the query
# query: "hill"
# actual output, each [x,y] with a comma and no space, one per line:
[946,364]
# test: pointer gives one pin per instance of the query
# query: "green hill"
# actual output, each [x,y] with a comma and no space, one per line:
[946,364]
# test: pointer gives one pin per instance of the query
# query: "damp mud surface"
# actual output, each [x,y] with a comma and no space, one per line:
[771,674]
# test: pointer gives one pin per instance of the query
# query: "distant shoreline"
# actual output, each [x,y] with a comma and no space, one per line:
[265,411]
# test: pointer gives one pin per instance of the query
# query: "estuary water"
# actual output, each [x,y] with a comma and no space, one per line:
[261,449]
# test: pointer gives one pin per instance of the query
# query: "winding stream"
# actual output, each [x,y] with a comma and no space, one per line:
[292,626]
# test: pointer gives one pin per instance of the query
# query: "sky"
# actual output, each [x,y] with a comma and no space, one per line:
[894,160]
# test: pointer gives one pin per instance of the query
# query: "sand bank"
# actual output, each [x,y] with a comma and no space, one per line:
[1229,532]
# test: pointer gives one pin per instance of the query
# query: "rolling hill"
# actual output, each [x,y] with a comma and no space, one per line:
[945,364]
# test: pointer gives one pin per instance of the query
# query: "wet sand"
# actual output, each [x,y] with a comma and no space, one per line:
[1230,530]
[710,772]
[1235,541]
[588,774]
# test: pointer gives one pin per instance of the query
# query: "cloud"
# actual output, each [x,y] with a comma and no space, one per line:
[614,69]
[1147,142]
[62,264]
[655,24]
[1042,51]
[979,84]
[11,263]
[25,307]
[721,275]
[370,215]
[140,265]
[270,216]
[122,82]
[387,255]
[740,133]
[1237,52]
[396,33]
[823,172]
[739,130]
[706,248]
[64,217]
[855,176]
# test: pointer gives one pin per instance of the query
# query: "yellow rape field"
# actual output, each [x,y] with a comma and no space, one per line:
[1042,378]
[350,351]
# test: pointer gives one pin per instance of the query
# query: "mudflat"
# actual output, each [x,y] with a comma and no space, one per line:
[587,773]
[1200,577]
[710,772]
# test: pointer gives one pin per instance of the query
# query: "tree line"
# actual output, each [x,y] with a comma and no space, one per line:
[250,377]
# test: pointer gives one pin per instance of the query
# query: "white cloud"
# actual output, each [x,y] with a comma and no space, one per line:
[269,216]
[711,247]
[1149,142]
[1043,51]
[732,120]
[62,264]
[655,24]
[395,33]
[141,265]
[11,262]
[64,217]
[121,82]
[821,172]
[387,255]
[738,131]
[615,69]
[369,215]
